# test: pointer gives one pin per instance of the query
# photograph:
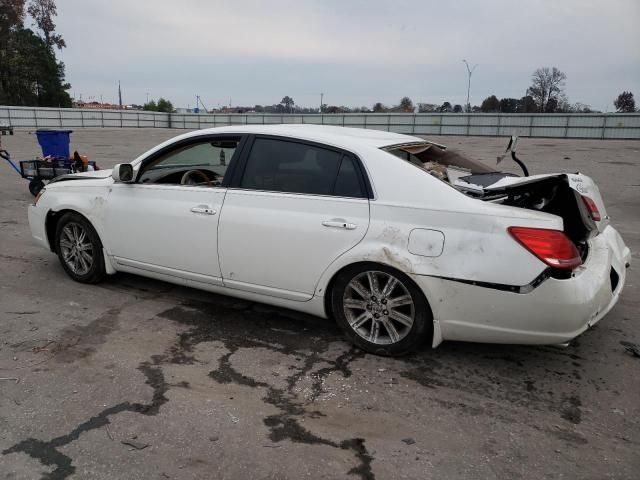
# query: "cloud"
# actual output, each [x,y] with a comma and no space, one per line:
[357,52]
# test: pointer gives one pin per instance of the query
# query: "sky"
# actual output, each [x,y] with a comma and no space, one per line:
[357,52]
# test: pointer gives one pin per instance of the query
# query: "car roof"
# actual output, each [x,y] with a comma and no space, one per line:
[333,135]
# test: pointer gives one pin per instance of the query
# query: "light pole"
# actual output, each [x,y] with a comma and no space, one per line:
[469,72]
[147,97]
[321,97]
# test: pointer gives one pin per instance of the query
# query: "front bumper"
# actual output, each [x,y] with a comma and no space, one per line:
[37,225]
[555,312]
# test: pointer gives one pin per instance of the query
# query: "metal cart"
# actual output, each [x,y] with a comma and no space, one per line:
[55,147]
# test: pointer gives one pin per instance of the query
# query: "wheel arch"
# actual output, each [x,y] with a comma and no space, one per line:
[328,290]
[51,223]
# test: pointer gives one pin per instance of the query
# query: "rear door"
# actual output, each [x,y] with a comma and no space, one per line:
[293,208]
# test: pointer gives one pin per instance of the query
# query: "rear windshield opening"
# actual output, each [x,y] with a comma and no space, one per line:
[435,159]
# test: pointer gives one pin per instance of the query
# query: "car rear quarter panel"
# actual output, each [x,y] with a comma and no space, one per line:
[476,246]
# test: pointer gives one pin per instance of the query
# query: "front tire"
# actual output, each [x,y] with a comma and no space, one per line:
[79,249]
[381,310]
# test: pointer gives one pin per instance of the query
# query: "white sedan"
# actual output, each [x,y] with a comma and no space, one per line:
[398,239]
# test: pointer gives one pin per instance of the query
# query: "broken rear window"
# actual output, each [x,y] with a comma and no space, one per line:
[438,161]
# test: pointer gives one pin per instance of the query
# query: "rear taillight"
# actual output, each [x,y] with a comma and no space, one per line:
[551,246]
[592,207]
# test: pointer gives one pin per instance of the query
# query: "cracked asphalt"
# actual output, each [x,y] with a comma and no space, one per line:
[206,386]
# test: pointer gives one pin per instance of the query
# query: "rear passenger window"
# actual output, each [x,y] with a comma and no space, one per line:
[349,181]
[283,166]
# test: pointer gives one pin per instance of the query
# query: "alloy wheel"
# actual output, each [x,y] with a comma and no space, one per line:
[379,307]
[76,248]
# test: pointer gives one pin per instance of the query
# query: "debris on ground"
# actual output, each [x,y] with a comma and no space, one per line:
[43,348]
[135,445]
[409,441]
[631,348]
[214,438]
[10,378]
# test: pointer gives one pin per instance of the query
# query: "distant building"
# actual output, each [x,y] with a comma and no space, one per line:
[236,109]
[105,106]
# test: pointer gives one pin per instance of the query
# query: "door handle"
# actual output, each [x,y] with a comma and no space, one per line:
[339,223]
[205,209]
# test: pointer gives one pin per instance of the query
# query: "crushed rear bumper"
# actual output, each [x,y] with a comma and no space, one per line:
[556,311]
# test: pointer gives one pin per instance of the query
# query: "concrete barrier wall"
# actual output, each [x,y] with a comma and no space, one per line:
[577,125]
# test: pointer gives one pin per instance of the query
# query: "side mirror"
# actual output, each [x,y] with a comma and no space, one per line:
[122,173]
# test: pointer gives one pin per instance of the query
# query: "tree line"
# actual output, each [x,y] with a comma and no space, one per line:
[30,74]
[162,105]
[546,94]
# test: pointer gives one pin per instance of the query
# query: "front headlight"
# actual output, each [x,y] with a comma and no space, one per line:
[40,193]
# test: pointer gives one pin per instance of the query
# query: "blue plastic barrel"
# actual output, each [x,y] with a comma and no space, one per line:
[54,142]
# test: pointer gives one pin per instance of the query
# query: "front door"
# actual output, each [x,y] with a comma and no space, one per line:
[167,221]
[295,208]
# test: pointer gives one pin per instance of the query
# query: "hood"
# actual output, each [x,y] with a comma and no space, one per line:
[96,174]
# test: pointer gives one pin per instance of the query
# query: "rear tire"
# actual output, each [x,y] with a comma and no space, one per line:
[381,310]
[35,186]
[79,249]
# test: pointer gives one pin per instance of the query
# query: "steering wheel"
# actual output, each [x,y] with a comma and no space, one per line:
[188,177]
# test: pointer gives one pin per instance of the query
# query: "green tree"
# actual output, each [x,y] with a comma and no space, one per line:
[164,106]
[30,74]
[150,106]
[526,105]
[427,107]
[446,107]
[508,105]
[378,107]
[625,103]
[42,12]
[406,105]
[287,103]
[457,108]
[490,104]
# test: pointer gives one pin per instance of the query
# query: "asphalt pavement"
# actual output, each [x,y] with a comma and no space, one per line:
[139,379]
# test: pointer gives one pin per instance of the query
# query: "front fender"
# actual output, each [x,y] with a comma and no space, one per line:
[89,202]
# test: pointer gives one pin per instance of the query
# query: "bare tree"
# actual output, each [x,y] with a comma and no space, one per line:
[547,84]
[43,11]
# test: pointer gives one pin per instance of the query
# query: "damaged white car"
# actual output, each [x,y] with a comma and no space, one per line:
[399,240]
